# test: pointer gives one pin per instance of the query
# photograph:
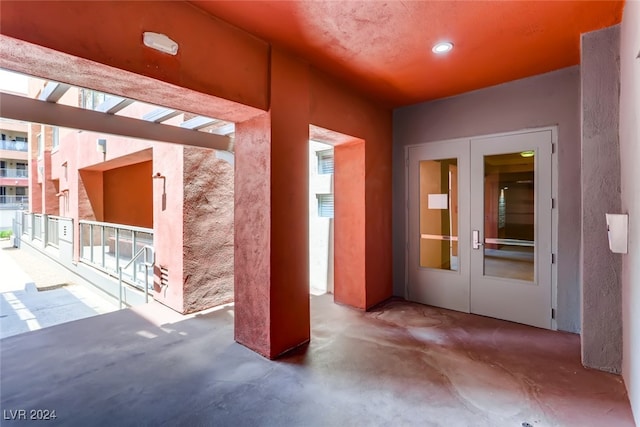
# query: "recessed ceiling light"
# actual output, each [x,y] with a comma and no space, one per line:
[442,47]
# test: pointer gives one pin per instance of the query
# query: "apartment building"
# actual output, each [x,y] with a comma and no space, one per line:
[14,170]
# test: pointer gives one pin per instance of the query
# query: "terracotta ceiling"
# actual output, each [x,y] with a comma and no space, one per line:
[384,48]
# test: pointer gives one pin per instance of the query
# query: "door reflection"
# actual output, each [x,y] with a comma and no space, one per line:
[509,215]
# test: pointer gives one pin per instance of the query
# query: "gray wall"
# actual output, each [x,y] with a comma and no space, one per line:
[543,100]
[630,182]
[601,286]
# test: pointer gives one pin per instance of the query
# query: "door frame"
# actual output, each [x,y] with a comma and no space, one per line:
[554,205]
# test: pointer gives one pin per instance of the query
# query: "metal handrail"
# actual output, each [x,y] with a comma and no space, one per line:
[126,227]
[147,264]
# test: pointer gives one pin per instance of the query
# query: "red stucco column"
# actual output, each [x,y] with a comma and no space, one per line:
[350,220]
[271,217]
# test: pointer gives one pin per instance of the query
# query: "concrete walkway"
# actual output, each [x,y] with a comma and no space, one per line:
[36,292]
[401,364]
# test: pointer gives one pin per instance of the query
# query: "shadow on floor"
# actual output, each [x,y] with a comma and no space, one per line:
[400,364]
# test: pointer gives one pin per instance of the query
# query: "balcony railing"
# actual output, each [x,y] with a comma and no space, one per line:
[108,247]
[14,202]
[14,145]
[13,173]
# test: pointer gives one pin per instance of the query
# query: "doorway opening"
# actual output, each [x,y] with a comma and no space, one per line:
[321,217]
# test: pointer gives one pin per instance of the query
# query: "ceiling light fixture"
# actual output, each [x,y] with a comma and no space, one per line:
[528,153]
[442,47]
[160,42]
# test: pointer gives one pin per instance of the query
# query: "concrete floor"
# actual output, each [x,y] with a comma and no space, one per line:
[36,292]
[403,364]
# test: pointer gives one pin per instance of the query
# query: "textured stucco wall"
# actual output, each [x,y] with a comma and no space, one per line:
[543,100]
[601,288]
[630,184]
[207,235]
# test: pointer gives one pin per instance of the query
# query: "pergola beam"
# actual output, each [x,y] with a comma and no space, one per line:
[48,113]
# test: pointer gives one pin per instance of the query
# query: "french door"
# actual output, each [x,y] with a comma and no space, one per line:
[480,226]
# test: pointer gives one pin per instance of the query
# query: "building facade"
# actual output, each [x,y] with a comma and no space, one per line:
[121,194]
[14,170]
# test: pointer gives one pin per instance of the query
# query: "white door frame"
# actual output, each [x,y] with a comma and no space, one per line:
[554,204]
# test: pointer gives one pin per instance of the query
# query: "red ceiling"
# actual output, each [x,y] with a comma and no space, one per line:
[384,48]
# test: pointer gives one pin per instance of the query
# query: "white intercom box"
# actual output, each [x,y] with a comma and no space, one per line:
[618,231]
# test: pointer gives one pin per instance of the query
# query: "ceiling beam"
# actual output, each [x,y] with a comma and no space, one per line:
[227,129]
[160,115]
[198,122]
[113,104]
[53,91]
[31,110]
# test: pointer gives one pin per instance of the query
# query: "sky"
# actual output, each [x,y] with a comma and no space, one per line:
[13,82]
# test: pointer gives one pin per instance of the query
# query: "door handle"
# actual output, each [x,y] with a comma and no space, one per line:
[476,239]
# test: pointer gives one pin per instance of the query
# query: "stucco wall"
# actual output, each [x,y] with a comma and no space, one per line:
[128,195]
[207,235]
[542,100]
[601,292]
[168,191]
[630,184]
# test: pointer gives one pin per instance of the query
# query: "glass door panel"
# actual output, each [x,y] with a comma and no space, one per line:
[438,229]
[509,215]
[439,214]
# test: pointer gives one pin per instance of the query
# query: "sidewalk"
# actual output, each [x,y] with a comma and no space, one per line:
[36,292]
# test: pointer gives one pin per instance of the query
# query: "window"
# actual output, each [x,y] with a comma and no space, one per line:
[56,137]
[325,161]
[90,99]
[21,191]
[21,170]
[325,205]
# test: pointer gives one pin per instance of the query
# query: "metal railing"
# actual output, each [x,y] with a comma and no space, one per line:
[108,246]
[52,231]
[37,227]
[148,262]
[13,173]
[14,145]
[26,223]
[14,202]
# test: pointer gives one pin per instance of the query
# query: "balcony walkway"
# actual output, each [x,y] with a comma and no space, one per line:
[402,364]
[36,292]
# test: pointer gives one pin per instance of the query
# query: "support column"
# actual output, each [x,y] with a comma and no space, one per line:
[271,217]
[35,180]
[601,269]
[350,220]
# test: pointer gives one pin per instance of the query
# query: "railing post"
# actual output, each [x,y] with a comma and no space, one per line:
[45,230]
[133,252]
[32,221]
[91,243]
[146,279]
[103,245]
[81,239]
[118,250]
[120,287]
